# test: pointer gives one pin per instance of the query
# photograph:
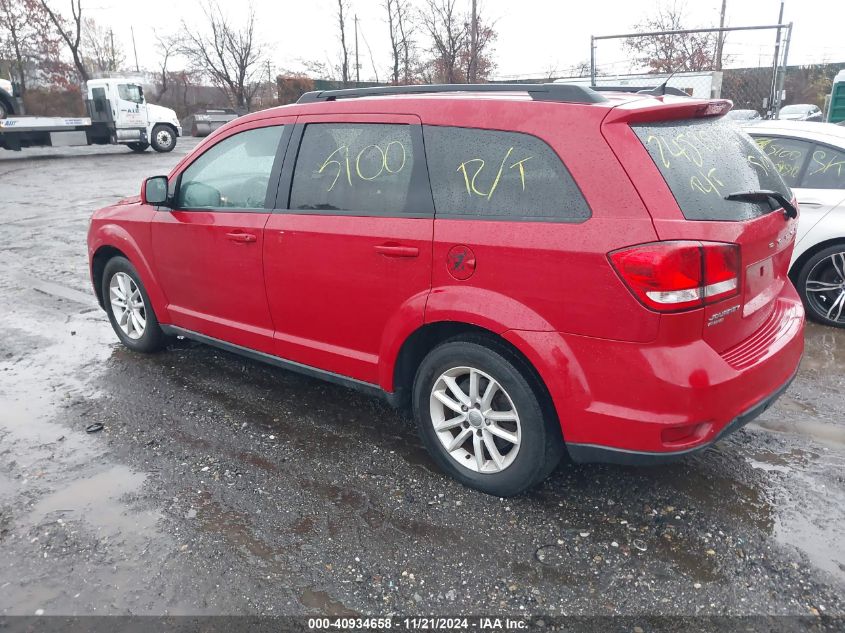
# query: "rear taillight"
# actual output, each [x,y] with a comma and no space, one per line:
[679,275]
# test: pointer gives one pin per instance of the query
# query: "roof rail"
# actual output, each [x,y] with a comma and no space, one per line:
[563,93]
[643,90]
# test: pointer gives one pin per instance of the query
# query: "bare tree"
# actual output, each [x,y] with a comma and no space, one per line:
[407,31]
[70,33]
[672,53]
[342,11]
[25,33]
[98,48]
[316,68]
[476,57]
[449,36]
[167,46]
[395,38]
[472,67]
[402,46]
[229,56]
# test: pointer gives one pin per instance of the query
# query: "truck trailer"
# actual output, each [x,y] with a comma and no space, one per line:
[117,113]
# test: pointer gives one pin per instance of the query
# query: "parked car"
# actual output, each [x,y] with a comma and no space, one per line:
[743,115]
[811,159]
[527,268]
[800,112]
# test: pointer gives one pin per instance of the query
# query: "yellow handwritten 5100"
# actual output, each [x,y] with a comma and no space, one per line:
[384,163]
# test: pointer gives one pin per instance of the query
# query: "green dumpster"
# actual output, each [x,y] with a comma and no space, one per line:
[836,111]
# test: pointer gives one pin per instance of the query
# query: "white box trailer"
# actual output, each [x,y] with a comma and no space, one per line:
[702,85]
[117,113]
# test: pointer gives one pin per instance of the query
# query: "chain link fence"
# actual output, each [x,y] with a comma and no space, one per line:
[744,64]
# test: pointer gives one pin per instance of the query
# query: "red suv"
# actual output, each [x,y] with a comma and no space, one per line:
[528,268]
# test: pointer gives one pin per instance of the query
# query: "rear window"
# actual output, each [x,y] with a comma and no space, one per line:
[490,174]
[704,160]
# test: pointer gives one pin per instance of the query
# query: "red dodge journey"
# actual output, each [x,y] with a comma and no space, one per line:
[529,269]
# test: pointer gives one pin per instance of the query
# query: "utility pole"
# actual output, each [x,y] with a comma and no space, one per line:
[357,65]
[721,41]
[773,96]
[269,82]
[473,46]
[111,51]
[135,49]
[782,77]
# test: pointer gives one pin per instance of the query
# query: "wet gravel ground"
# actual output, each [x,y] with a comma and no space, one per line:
[222,486]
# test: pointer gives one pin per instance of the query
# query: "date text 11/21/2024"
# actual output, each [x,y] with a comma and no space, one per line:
[422,623]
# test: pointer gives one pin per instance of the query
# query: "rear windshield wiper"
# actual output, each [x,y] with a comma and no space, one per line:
[765,195]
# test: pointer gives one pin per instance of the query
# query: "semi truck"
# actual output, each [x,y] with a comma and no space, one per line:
[117,113]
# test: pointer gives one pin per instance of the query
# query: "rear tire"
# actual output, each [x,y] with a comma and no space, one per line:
[508,444]
[821,284]
[163,138]
[138,147]
[129,308]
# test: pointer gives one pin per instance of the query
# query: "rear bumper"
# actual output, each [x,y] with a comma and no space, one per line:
[630,403]
[583,453]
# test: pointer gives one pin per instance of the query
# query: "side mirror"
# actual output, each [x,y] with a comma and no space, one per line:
[154,191]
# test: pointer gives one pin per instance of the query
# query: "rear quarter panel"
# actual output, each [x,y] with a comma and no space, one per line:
[545,276]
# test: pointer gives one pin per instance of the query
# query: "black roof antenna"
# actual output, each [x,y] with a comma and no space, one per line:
[661,89]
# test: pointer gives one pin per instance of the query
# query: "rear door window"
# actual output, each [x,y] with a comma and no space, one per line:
[490,174]
[704,160]
[366,169]
[826,169]
[789,155]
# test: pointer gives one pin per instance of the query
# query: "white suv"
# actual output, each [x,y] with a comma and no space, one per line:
[811,159]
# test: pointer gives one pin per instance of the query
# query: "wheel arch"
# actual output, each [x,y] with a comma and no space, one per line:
[425,338]
[795,269]
[98,266]
[114,241]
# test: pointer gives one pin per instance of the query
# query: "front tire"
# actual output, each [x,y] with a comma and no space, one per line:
[163,138]
[129,309]
[821,284]
[481,419]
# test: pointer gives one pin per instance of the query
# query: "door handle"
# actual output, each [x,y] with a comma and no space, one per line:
[239,236]
[394,250]
[809,203]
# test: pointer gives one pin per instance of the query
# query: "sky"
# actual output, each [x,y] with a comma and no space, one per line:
[535,37]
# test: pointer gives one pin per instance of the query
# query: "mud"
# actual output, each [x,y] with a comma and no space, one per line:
[222,486]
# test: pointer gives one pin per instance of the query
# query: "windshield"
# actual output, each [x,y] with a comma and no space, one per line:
[130,92]
[794,109]
[704,160]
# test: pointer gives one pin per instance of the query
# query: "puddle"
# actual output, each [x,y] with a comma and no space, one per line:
[99,501]
[325,604]
[768,467]
[826,434]
[824,348]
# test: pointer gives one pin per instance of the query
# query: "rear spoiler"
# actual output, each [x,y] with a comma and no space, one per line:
[667,109]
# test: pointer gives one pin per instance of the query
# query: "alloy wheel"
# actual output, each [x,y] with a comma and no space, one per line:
[825,287]
[127,305]
[475,420]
